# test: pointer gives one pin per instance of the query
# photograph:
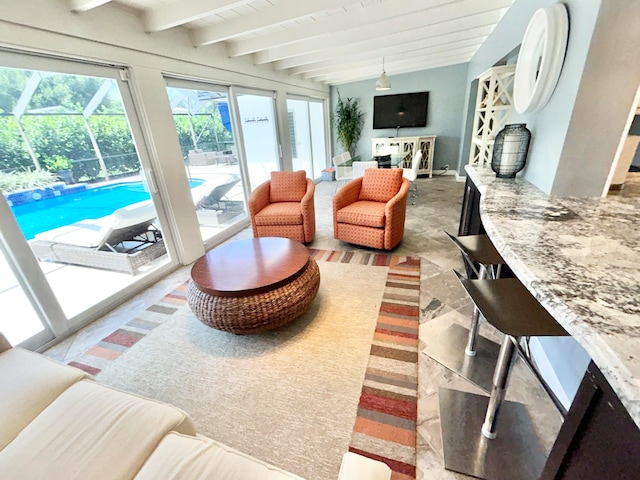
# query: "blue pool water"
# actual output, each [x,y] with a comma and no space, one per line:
[97,202]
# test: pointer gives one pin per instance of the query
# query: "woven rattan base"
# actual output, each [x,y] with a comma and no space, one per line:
[257,313]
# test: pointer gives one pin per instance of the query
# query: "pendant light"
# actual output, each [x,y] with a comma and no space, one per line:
[383,82]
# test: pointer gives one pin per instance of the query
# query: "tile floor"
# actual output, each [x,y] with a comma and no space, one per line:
[442,298]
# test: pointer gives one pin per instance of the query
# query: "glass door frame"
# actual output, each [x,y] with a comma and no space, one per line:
[325,124]
[237,125]
[177,81]
[30,278]
[300,98]
[17,250]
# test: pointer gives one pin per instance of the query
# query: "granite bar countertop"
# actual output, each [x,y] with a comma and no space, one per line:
[580,257]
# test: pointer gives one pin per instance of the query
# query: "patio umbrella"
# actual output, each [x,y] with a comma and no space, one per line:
[223,108]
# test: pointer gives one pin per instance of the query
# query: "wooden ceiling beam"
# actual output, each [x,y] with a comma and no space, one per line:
[169,15]
[397,62]
[283,11]
[408,68]
[79,6]
[425,22]
[402,51]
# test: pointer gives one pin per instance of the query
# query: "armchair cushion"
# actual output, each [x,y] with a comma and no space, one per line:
[365,213]
[284,213]
[381,185]
[288,186]
[284,207]
[372,223]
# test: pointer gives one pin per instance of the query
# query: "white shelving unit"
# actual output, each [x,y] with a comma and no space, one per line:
[408,146]
[494,103]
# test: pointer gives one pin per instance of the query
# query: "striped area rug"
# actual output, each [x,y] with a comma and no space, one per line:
[118,342]
[385,426]
[359,258]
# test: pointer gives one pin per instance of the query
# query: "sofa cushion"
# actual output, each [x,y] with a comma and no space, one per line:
[365,213]
[29,382]
[91,431]
[288,186]
[199,458]
[284,213]
[381,184]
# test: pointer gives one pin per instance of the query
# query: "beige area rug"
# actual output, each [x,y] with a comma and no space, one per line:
[288,397]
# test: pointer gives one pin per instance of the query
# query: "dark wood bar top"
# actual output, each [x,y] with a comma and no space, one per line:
[249,267]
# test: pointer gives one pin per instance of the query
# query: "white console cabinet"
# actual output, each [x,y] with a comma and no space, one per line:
[407,146]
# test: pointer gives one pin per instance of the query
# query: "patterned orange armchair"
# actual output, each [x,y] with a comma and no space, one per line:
[283,207]
[370,210]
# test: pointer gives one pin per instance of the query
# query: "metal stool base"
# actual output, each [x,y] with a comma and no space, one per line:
[514,455]
[446,344]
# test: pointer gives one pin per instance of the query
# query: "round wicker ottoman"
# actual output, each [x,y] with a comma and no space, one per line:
[253,286]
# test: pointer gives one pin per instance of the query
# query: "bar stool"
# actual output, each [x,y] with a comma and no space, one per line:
[445,341]
[478,249]
[508,306]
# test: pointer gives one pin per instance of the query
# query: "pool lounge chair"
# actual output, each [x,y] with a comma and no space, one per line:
[123,241]
[209,196]
[212,207]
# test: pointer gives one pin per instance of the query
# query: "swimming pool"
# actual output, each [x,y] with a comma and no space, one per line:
[50,213]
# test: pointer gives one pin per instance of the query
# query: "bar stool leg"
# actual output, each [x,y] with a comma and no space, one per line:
[500,380]
[470,349]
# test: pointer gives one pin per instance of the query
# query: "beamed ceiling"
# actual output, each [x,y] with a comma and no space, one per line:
[328,41]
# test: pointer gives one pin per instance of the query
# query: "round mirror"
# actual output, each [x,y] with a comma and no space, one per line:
[541,58]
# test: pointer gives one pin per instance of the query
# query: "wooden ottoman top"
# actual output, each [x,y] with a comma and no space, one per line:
[249,267]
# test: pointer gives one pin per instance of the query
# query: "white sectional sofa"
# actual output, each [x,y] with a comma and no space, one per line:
[58,423]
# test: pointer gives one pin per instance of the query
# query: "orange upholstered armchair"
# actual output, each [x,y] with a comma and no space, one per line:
[370,210]
[283,207]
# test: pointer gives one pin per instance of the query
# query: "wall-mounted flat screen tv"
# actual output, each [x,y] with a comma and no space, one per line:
[402,110]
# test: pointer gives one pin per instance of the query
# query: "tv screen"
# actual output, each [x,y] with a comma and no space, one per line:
[402,110]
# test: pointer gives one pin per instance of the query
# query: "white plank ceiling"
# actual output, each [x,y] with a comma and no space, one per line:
[329,41]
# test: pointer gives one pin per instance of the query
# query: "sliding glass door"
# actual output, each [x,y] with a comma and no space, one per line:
[259,130]
[300,135]
[318,124]
[79,225]
[202,117]
[307,135]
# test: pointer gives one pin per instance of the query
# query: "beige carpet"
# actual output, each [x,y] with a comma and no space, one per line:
[289,397]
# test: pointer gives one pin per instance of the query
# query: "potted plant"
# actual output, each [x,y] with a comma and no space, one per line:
[348,122]
[60,165]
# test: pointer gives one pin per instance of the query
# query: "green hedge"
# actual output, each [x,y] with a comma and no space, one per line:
[67,136]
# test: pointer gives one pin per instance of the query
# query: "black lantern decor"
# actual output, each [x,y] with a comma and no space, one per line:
[510,150]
